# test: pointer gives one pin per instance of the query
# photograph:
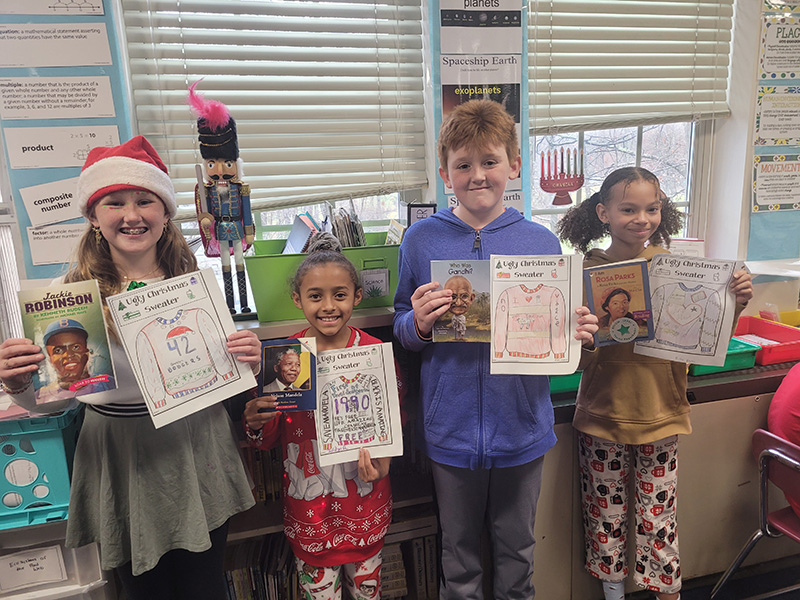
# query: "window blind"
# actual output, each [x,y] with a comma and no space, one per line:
[10,321]
[327,96]
[616,63]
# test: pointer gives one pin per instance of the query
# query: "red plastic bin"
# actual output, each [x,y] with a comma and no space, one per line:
[787,347]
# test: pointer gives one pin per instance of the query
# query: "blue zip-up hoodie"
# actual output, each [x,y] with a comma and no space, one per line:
[467,417]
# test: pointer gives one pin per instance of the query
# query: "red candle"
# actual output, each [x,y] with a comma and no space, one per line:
[542,171]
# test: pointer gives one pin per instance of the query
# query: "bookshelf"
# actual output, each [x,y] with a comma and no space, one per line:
[253,535]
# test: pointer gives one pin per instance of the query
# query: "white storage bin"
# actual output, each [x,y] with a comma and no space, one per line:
[80,574]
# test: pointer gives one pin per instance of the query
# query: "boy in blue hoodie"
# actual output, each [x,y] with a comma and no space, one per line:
[486,435]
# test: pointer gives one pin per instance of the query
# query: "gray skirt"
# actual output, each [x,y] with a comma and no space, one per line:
[141,492]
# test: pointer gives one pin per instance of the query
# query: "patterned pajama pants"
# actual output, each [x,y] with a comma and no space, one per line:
[362,579]
[605,469]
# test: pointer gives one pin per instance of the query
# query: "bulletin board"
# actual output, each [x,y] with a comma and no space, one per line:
[775,200]
[62,92]
[482,53]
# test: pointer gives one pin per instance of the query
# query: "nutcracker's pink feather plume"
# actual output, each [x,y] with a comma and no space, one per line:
[215,113]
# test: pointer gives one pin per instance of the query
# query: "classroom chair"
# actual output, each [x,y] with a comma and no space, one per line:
[778,462]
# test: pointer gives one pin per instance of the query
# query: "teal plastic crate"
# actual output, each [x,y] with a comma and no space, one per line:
[565,383]
[35,467]
[741,355]
[270,272]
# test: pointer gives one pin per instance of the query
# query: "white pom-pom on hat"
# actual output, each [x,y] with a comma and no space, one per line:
[134,165]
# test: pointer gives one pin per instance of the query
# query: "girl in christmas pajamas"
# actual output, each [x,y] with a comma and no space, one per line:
[335,517]
[630,407]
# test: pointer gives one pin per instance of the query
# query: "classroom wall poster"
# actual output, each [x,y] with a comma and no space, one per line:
[497,77]
[54,244]
[62,93]
[54,45]
[777,118]
[23,98]
[479,55]
[472,30]
[48,147]
[51,7]
[776,180]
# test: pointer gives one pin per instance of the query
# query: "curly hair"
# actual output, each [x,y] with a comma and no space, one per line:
[581,226]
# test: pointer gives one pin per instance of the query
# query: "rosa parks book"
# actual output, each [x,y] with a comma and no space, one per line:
[619,294]
[66,321]
[469,318]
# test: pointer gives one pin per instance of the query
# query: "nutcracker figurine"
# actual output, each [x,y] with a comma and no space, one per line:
[221,199]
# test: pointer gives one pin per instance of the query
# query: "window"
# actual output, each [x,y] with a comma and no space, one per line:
[665,149]
[327,96]
[10,323]
[629,83]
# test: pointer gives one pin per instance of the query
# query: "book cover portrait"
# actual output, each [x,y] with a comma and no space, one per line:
[469,318]
[66,321]
[289,372]
[619,294]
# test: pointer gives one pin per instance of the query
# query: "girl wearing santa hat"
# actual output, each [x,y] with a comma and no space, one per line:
[156,500]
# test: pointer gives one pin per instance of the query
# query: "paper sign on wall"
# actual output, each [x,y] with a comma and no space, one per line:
[54,45]
[777,180]
[55,98]
[51,7]
[472,31]
[52,202]
[54,245]
[47,147]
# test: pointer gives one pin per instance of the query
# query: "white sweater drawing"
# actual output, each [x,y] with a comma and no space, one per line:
[181,355]
[687,317]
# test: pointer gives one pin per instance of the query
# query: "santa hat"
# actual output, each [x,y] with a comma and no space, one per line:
[134,165]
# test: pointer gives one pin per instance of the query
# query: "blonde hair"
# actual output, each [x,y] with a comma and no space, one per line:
[93,261]
[477,123]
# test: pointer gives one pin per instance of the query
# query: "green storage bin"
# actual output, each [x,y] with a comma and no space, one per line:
[270,272]
[565,383]
[741,355]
